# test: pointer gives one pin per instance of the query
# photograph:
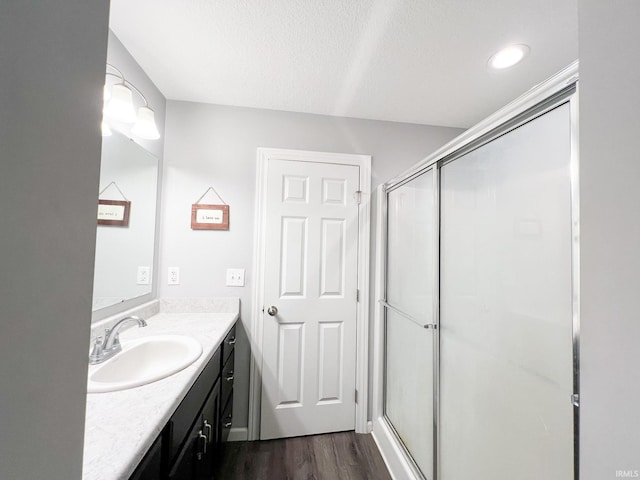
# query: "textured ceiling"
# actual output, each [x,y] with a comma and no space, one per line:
[418,61]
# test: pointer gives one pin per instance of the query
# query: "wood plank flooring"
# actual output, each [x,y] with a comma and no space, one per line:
[334,456]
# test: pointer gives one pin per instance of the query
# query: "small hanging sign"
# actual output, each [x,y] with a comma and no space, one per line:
[114,213]
[209,217]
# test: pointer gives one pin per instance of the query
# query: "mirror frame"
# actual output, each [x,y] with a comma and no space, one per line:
[129,303]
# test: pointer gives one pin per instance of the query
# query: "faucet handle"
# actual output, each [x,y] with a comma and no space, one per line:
[96,353]
[116,342]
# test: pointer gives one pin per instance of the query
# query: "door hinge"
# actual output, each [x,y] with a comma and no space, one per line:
[357,294]
[356,396]
[575,400]
[358,196]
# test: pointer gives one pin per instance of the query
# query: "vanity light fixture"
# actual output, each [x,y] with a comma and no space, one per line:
[118,105]
[145,126]
[509,56]
[106,130]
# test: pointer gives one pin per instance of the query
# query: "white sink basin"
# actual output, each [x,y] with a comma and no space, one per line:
[144,361]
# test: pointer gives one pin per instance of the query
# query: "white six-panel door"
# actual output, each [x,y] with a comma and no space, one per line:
[311,256]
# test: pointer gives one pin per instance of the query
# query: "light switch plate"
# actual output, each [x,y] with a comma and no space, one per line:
[235,277]
[174,276]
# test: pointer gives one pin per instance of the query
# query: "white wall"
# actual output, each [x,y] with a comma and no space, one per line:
[216,145]
[119,57]
[52,56]
[610,236]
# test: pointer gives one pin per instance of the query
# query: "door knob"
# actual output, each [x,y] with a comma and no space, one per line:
[272,310]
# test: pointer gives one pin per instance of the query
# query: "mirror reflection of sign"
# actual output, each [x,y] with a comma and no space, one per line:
[110,212]
[209,216]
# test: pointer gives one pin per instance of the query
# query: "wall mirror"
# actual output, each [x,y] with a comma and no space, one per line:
[124,254]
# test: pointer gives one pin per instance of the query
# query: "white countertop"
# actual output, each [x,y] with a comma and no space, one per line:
[121,426]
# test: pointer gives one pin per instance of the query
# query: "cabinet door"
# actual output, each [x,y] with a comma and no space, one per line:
[195,460]
[211,428]
[183,419]
[189,460]
[150,466]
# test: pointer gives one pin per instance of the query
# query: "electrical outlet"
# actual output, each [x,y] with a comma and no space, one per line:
[235,277]
[144,276]
[174,276]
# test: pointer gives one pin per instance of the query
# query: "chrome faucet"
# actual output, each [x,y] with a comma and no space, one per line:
[103,349]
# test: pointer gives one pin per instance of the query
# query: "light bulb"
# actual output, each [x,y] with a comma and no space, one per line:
[120,107]
[507,57]
[145,127]
[106,130]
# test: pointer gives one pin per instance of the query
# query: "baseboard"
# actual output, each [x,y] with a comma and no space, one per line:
[238,434]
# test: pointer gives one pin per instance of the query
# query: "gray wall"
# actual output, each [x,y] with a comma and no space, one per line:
[216,145]
[610,236]
[52,56]
[119,57]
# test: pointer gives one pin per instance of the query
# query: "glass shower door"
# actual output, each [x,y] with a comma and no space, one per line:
[506,353]
[409,307]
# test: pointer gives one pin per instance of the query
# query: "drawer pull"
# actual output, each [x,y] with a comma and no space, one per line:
[208,430]
[231,341]
[227,424]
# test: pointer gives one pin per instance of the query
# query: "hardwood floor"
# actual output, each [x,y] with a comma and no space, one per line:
[334,456]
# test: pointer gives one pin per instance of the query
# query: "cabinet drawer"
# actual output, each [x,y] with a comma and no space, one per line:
[227,380]
[226,420]
[183,418]
[228,344]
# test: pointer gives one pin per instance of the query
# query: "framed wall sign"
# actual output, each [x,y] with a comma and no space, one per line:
[209,217]
[114,212]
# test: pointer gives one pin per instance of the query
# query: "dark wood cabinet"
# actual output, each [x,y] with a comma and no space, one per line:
[188,447]
[186,415]
[195,461]
[150,468]
[228,344]
[226,420]
[211,428]
[227,379]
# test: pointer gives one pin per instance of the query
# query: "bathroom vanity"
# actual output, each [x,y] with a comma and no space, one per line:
[171,428]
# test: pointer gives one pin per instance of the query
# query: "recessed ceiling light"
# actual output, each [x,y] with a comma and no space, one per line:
[508,57]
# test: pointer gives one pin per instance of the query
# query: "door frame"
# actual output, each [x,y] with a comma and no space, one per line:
[264,155]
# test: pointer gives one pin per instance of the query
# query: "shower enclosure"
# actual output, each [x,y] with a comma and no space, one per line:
[478,300]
